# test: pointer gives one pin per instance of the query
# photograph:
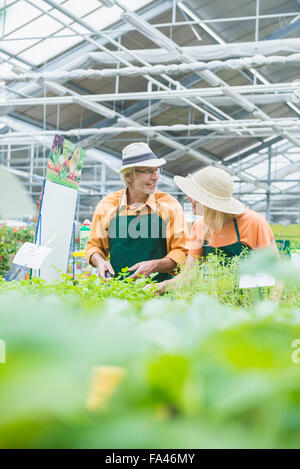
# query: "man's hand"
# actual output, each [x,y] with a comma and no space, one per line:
[102,266]
[143,268]
[163,265]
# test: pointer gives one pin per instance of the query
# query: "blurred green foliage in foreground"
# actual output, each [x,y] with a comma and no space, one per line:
[200,374]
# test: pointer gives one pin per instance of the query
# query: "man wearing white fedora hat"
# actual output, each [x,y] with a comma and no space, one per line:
[226,224]
[139,227]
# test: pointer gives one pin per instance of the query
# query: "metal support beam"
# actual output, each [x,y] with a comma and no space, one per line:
[32,149]
[269,183]
[252,93]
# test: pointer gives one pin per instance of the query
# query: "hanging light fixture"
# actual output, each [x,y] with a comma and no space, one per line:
[149,31]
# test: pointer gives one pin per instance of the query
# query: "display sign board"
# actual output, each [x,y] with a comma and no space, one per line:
[56,221]
[58,206]
[65,163]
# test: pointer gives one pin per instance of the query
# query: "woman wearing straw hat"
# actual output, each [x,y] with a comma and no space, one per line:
[227,225]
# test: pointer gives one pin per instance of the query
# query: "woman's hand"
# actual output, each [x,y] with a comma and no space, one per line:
[277,291]
[158,288]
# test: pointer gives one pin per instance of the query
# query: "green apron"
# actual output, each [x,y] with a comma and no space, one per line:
[231,250]
[137,238]
[234,249]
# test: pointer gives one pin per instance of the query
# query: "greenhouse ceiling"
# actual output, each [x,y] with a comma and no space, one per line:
[202,82]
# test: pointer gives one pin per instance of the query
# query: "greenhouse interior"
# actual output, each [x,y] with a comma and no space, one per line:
[150,226]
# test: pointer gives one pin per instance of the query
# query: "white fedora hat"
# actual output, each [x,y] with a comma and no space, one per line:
[139,154]
[213,188]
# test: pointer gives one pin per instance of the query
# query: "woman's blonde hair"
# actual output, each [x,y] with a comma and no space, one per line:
[215,221]
[125,173]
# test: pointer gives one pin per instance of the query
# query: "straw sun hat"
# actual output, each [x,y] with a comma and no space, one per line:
[213,188]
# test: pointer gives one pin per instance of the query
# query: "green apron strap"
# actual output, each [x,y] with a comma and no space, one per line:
[118,211]
[237,230]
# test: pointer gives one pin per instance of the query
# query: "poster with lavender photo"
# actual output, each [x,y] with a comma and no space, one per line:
[65,163]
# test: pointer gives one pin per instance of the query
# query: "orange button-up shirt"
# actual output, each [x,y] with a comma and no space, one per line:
[165,205]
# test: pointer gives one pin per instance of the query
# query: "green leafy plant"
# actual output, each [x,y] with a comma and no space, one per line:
[86,289]
[219,277]
[11,239]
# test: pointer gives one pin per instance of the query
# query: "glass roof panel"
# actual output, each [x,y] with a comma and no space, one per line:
[259,170]
[294,175]
[283,186]
[16,47]
[41,25]
[17,14]
[99,20]
[251,197]
[5,67]
[42,49]
[24,20]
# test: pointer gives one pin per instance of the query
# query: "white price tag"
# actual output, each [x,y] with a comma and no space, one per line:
[258,280]
[31,256]
[296,259]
